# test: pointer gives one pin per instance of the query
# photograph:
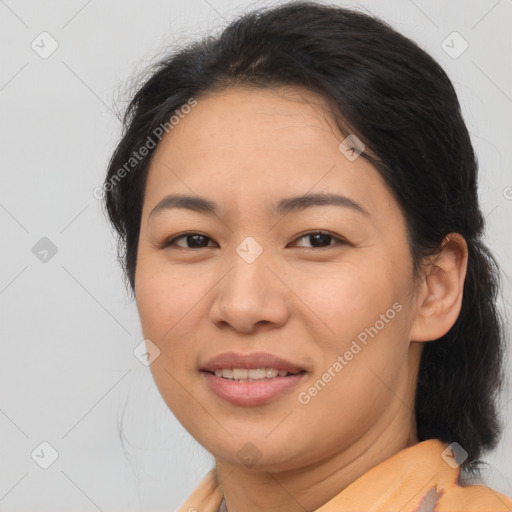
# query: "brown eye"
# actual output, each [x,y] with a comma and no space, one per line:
[320,239]
[192,241]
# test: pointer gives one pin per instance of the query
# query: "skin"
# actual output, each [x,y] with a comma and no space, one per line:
[246,149]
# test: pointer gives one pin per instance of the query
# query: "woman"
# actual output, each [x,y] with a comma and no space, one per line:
[296,201]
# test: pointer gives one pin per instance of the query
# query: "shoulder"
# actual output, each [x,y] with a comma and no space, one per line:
[473,498]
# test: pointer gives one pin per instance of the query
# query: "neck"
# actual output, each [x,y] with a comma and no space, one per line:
[308,488]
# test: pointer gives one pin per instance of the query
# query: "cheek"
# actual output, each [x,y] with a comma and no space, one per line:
[164,293]
[367,316]
[165,300]
[347,299]
[171,302]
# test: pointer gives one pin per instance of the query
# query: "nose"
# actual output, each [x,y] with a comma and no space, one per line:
[250,297]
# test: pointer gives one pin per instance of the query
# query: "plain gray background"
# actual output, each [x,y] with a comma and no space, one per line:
[68,329]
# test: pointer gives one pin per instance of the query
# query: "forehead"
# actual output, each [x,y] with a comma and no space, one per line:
[242,119]
[246,146]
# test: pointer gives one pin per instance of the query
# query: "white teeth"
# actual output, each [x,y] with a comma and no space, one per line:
[256,374]
[240,373]
[244,374]
[270,373]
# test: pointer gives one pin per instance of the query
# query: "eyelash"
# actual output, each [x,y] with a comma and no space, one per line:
[340,241]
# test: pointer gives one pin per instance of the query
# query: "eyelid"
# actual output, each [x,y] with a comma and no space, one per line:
[169,242]
[338,238]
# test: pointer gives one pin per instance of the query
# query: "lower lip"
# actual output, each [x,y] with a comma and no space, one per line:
[251,393]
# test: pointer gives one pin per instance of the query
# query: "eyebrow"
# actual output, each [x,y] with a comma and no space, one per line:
[282,207]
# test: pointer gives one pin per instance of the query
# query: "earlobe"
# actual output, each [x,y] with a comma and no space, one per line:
[440,294]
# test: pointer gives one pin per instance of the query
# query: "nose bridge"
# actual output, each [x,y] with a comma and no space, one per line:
[248,262]
[248,282]
[250,293]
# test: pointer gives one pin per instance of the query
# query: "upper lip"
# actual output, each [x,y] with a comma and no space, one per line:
[254,360]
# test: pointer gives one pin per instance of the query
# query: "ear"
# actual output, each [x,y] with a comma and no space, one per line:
[440,293]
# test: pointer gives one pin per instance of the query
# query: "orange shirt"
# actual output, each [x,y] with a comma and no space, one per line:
[416,479]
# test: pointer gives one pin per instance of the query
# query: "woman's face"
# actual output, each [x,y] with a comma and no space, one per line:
[253,278]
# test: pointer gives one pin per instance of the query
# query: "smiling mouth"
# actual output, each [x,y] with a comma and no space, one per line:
[251,374]
[238,387]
